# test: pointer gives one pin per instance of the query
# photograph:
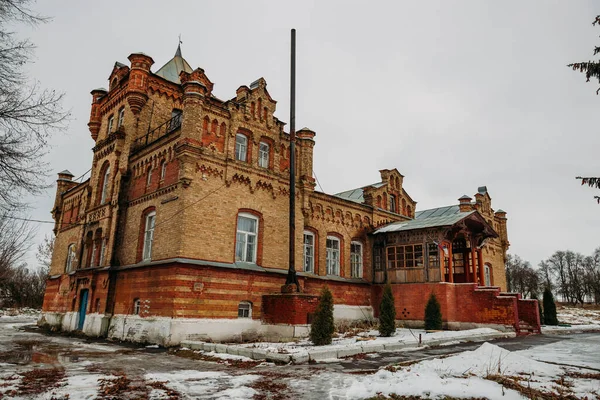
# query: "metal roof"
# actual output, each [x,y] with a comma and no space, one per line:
[356,195]
[482,189]
[447,218]
[171,70]
[438,212]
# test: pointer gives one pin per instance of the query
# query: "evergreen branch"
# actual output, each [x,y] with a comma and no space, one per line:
[591,182]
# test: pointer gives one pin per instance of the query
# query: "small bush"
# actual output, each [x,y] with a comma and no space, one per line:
[433,314]
[387,313]
[550,317]
[321,329]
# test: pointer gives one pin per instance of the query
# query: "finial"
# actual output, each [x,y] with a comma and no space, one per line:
[178,52]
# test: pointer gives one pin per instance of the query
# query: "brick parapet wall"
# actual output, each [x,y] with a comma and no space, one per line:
[293,309]
[529,312]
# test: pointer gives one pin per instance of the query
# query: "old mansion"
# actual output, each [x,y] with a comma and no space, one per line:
[182,227]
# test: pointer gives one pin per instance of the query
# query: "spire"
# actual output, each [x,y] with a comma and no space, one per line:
[178,52]
[171,70]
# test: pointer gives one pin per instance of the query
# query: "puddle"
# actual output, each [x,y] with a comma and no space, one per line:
[39,352]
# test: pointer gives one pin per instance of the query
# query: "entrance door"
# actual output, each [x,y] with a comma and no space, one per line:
[82,308]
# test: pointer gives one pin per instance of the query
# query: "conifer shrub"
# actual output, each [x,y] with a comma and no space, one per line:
[322,327]
[387,313]
[433,314]
[550,317]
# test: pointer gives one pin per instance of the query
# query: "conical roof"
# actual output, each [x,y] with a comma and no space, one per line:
[171,70]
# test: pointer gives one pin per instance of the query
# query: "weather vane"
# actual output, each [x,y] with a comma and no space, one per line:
[180,42]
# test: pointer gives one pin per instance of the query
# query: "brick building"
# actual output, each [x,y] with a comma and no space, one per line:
[182,227]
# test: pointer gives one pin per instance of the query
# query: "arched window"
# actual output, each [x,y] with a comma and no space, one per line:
[487,274]
[70,264]
[97,306]
[403,207]
[309,252]
[378,203]
[121,117]
[356,259]
[245,309]
[332,255]
[103,244]
[149,177]
[393,203]
[246,238]
[113,83]
[241,147]
[104,184]
[148,236]
[263,155]
[109,127]
[136,306]
[409,211]
[163,169]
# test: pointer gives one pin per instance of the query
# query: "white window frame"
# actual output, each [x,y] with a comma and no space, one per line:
[243,238]
[70,258]
[104,194]
[332,256]
[163,170]
[309,252]
[487,275]
[245,307]
[356,260]
[121,117]
[111,120]
[149,224]
[392,200]
[263,154]
[137,306]
[241,147]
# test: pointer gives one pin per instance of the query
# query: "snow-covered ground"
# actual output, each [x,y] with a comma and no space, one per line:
[587,315]
[61,367]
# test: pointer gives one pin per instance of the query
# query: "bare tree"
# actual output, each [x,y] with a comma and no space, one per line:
[44,253]
[521,277]
[28,114]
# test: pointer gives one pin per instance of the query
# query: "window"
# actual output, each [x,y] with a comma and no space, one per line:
[149,177]
[149,236]
[241,147]
[263,155]
[121,118]
[409,256]
[105,179]
[110,123]
[356,259]
[246,238]
[459,262]
[433,255]
[378,258]
[332,256]
[136,306]
[392,203]
[102,252]
[487,277]
[97,306]
[92,262]
[70,258]
[163,170]
[309,252]
[245,309]
[175,119]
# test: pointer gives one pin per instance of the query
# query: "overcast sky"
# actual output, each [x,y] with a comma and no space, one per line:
[455,95]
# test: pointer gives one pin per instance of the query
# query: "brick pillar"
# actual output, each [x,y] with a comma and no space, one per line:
[450,267]
[472,261]
[480,262]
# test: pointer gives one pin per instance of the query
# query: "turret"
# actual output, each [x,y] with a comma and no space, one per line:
[63,183]
[95,118]
[138,81]
[305,141]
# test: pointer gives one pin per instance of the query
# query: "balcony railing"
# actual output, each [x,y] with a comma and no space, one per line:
[160,131]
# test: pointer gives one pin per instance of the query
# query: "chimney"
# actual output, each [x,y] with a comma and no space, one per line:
[464,204]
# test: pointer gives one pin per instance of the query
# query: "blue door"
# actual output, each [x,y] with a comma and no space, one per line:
[82,308]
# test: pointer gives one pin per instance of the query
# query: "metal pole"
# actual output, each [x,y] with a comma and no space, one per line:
[291,277]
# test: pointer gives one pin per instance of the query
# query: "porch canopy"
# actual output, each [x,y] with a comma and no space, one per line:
[439,245]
